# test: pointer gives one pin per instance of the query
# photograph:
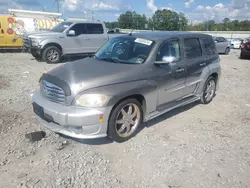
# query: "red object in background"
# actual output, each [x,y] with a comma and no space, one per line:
[10,31]
[10,20]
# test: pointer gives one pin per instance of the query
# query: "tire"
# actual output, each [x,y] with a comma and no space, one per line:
[242,56]
[227,51]
[124,125]
[52,54]
[207,99]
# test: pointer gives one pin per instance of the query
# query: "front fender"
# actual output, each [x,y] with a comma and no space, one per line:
[119,91]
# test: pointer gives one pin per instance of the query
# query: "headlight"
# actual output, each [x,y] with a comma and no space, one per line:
[92,100]
[36,42]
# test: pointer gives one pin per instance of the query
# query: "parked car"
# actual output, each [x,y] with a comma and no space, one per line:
[66,38]
[131,79]
[245,49]
[236,43]
[222,45]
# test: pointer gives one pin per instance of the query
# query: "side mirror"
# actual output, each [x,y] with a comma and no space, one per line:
[215,41]
[166,60]
[71,33]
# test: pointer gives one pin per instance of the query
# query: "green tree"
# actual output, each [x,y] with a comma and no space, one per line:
[169,20]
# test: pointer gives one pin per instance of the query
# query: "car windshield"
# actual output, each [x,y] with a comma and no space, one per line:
[61,27]
[129,50]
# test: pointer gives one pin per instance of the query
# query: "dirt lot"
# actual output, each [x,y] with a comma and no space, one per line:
[196,146]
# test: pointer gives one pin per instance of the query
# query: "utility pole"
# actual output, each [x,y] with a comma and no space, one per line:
[57,5]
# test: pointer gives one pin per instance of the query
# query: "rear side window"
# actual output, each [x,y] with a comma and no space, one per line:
[95,29]
[209,46]
[192,48]
[79,29]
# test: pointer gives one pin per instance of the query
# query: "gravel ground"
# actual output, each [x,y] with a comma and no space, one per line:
[195,146]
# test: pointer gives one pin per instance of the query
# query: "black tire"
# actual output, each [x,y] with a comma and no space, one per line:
[49,49]
[204,100]
[112,126]
[242,56]
[227,51]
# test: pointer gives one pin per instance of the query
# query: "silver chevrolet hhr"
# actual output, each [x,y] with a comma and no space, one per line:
[131,79]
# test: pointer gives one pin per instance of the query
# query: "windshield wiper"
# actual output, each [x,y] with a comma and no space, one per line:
[110,59]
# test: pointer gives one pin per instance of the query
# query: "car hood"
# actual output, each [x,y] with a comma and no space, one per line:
[44,34]
[90,73]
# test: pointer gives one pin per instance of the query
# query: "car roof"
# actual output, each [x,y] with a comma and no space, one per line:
[162,35]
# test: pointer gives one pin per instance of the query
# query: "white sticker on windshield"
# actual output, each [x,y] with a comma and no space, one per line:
[143,41]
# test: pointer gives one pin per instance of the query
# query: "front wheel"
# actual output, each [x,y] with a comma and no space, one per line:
[52,54]
[209,90]
[125,120]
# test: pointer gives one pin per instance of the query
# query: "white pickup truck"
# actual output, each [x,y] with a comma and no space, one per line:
[67,38]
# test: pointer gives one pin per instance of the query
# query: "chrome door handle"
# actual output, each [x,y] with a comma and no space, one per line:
[203,64]
[180,70]
[86,38]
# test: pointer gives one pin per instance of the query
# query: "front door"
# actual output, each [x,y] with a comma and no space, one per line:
[170,77]
[77,43]
[96,35]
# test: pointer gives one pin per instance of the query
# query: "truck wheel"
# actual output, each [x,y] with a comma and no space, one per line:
[125,120]
[52,54]
[209,90]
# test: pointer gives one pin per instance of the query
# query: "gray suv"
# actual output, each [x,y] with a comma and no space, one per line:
[130,80]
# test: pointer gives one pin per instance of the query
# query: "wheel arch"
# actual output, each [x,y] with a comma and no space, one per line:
[52,44]
[139,97]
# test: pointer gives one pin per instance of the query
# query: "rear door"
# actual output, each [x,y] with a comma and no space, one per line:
[196,62]
[2,33]
[78,43]
[96,36]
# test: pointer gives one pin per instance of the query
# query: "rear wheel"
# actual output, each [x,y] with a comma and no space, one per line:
[125,120]
[242,56]
[52,54]
[227,51]
[209,90]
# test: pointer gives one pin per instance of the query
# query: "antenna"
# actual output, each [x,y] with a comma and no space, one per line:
[130,34]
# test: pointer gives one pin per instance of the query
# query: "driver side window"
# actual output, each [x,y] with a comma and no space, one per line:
[79,29]
[169,49]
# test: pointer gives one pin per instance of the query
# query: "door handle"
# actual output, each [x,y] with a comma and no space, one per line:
[180,70]
[203,64]
[86,38]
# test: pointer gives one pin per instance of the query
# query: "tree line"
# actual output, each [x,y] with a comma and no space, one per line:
[173,21]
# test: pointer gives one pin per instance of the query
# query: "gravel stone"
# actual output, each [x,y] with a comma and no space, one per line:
[194,146]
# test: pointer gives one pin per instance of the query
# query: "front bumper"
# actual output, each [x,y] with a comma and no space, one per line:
[76,122]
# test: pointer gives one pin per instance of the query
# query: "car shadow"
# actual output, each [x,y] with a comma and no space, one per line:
[167,115]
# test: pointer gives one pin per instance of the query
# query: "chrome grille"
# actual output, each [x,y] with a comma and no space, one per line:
[52,92]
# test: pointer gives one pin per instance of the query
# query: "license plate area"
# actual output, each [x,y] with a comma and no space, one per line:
[38,110]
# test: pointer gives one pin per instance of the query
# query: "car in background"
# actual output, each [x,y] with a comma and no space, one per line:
[223,45]
[235,43]
[245,49]
[67,38]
